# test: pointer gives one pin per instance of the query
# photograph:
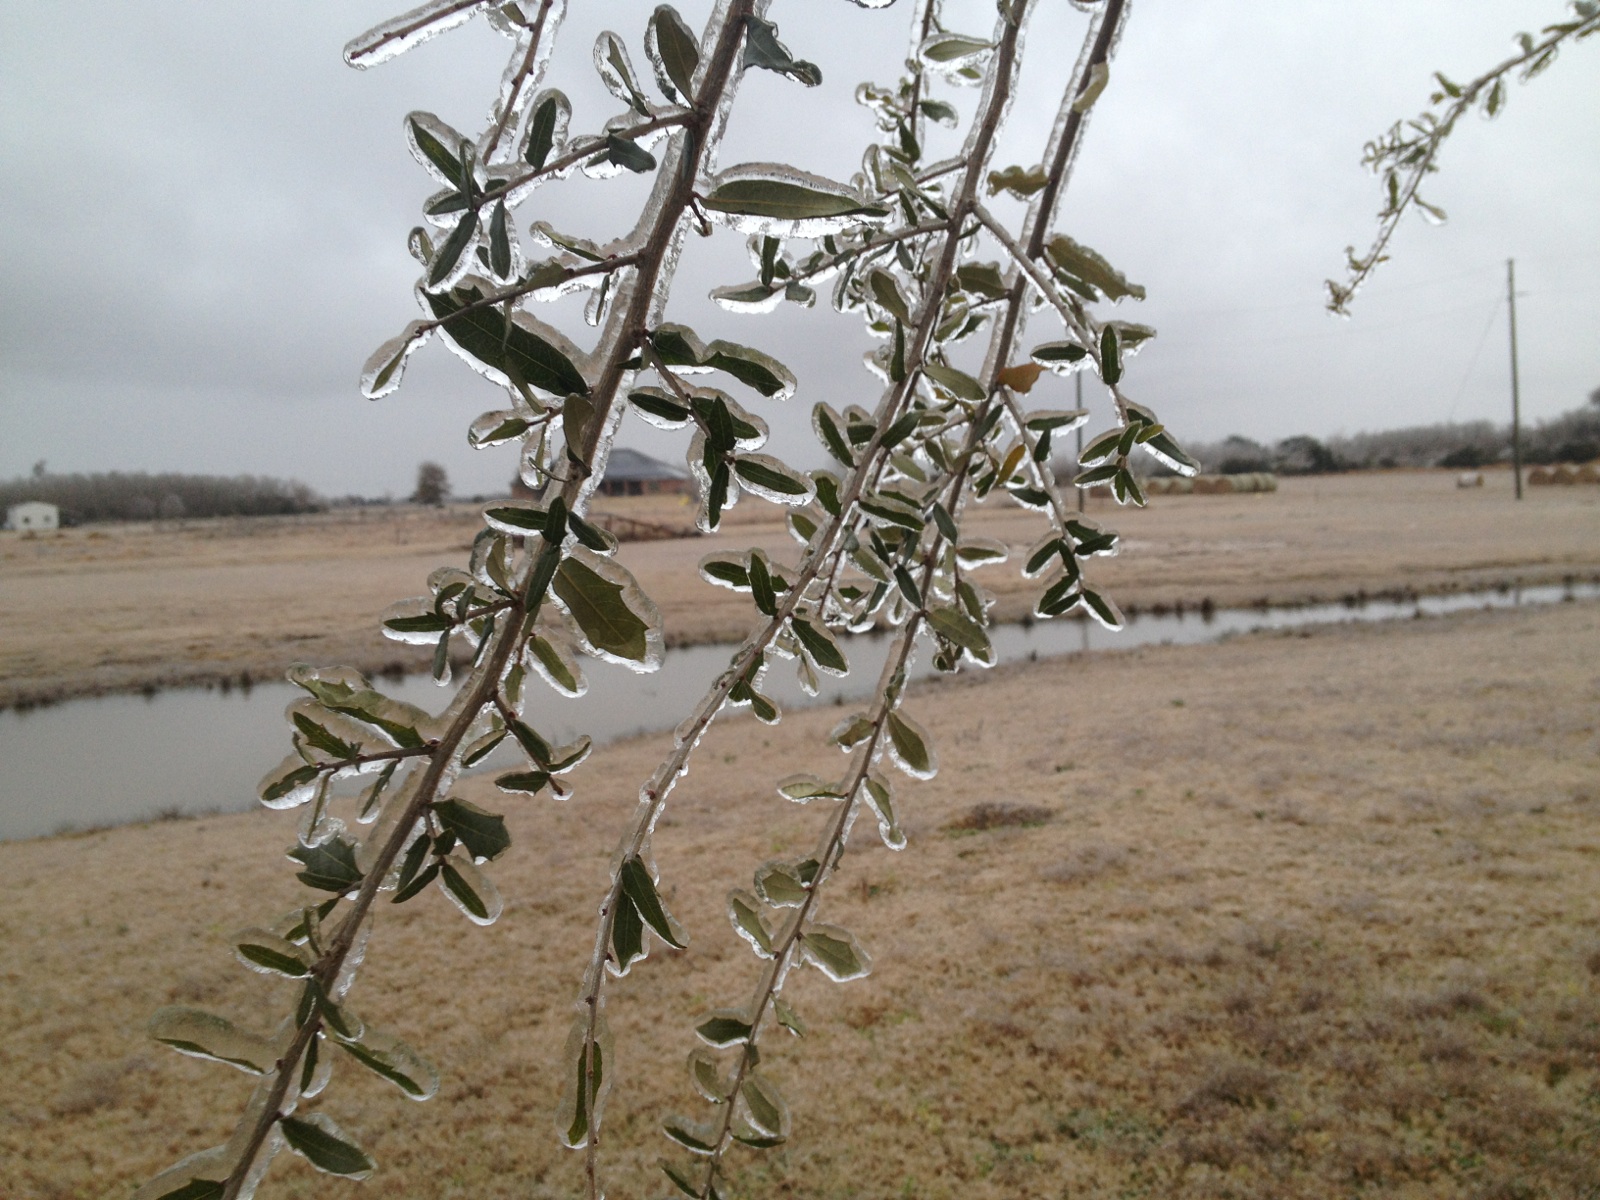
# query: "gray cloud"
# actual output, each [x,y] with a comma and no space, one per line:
[206,213]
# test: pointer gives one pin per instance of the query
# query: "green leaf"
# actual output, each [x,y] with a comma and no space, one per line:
[786,1017]
[765,1104]
[675,48]
[982,279]
[482,833]
[820,645]
[1110,356]
[205,1035]
[952,47]
[421,623]
[517,517]
[1020,182]
[624,152]
[690,1136]
[763,49]
[757,471]
[745,914]
[395,1061]
[444,262]
[641,889]
[616,72]
[509,347]
[601,611]
[435,153]
[724,1028]
[276,789]
[330,867]
[270,953]
[911,746]
[462,890]
[549,115]
[499,242]
[803,787]
[955,626]
[939,111]
[416,886]
[779,885]
[958,383]
[326,1146]
[1089,268]
[627,934]
[752,368]
[886,291]
[660,404]
[836,952]
[529,782]
[796,199]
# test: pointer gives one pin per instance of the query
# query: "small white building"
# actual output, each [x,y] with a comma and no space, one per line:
[33,514]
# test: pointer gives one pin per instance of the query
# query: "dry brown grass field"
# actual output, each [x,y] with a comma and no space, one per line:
[1289,916]
[121,607]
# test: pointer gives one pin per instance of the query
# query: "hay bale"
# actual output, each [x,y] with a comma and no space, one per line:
[1539,477]
[1563,475]
[1588,473]
[1180,485]
[1269,482]
[1469,479]
[1222,485]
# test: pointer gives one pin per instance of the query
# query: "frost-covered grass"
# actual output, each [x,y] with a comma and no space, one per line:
[1332,929]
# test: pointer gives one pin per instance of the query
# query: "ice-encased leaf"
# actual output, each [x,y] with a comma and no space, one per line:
[955,626]
[881,796]
[382,372]
[587,1080]
[694,1136]
[673,51]
[639,887]
[615,619]
[325,1146]
[911,748]
[1089,269]
[780,885]
[388,1056]
[346,691]
[820,645]
[752,368]
[516,517]
[957,383]
[763,49]
[482,833]
[953,50]
[764,1105]
[522,348]
[329,867]
[470,890]
[770,198]
[1061,357]
[438,148]
[547,128]
[724,1027]
[744,910]
[199,1176]
[289,784]
[551,656]
[269,954]
[205,1035]
[773,480]
[616,72]
[1020,182]
[803,787]
[706,1076]
[886,291]
[836,953]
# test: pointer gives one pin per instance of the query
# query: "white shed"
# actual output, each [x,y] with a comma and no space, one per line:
[33,514]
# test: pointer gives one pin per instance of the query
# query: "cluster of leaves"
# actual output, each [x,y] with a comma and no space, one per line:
[1408,152]
[881,530]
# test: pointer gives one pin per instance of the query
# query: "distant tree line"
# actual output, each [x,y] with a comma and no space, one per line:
[119,496]
[1572,437]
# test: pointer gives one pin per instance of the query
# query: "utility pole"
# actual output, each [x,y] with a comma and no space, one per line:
[1516,398]
[1077,379]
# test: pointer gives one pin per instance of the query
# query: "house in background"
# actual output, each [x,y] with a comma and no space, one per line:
[32,515]
[629,473]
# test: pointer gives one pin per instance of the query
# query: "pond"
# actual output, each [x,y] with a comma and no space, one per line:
[112,759]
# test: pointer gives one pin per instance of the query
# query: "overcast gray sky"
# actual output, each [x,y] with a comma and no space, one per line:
[205,215]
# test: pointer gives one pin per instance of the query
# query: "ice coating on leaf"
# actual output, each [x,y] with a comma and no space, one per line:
[265,952]
[399,34]
[783,201]
[470,889]
[318,1138]
[382,372]
[773,480]
[551,653]
[205,1035]
[836,953]
[321,1072]
[674,53]
[388,1056]
[546,358]
[880,794]
[189,1176]
[615,620]
[524,69]
[291,783]
[763,1105]
[910,747]
[353,959]
[586,1070]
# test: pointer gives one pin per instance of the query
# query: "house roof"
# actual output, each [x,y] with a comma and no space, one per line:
[625,465]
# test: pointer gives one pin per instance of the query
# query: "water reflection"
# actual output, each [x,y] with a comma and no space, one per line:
[113,759]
